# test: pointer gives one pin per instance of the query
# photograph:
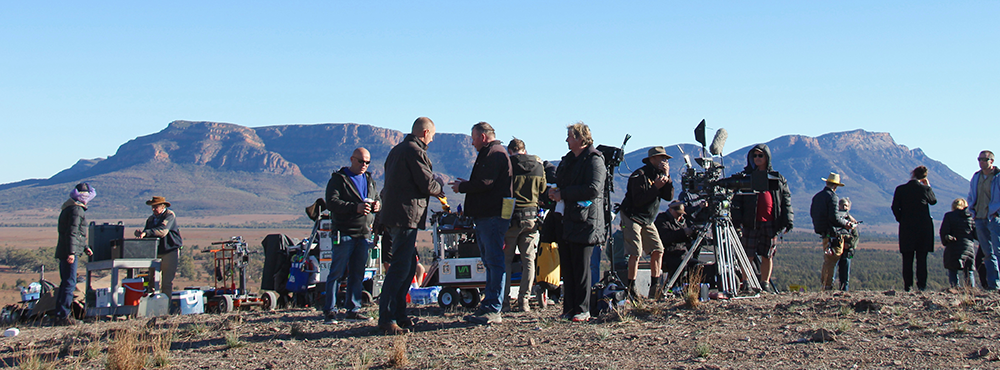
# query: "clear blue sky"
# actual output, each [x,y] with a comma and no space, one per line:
[81,78]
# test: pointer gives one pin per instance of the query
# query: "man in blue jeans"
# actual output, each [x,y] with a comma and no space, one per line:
[409,180]
[485,190]
[984,203]
[352,200]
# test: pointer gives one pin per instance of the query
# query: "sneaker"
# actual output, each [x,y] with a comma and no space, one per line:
[524,305]
[357,316]
[392,329]
[485,319]
[581,317]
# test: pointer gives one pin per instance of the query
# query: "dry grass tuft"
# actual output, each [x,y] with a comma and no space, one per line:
[124,353]
[692,292]
[31,360]
[397,354]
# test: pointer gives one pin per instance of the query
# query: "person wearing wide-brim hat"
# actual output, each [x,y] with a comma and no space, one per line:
[163,224]
[646,186]
[826,221]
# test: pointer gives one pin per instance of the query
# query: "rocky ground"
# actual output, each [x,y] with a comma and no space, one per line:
[884,329]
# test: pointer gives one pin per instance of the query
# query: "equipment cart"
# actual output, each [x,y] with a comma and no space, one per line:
[230,260]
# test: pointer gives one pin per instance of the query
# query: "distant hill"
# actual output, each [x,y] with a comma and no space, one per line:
[211,168]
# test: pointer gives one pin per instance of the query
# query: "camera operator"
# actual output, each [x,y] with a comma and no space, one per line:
[676,235]
[646,186]
[761,216]
[827,220]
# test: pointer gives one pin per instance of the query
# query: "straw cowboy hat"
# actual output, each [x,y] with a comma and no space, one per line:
[834,178]
[157,200]
[655,151]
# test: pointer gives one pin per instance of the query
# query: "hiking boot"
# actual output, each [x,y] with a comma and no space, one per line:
[408,322]
[523,304]
[485,319]
[330,319]
[654,289]
[357,316]
[581,317]
[64,321]
[766,288]
[392,329]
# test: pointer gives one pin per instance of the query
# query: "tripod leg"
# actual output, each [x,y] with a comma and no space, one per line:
[687,257]
[744,261]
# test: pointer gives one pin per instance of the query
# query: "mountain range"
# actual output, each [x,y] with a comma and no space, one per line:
[212,168]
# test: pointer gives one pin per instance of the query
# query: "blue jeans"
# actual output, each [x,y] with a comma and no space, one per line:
[350,254]
[392,300]
[64,296]
[490,232]
[595,265]
[844,272]
[988,233]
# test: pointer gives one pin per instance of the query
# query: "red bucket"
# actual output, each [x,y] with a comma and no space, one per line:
[134,289]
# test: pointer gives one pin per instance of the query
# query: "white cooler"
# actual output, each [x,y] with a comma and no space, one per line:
[187,302]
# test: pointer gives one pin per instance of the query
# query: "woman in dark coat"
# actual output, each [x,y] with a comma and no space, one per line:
[958,235]
[910,206]
[580,179]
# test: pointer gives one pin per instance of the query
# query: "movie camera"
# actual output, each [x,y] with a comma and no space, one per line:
[705,189]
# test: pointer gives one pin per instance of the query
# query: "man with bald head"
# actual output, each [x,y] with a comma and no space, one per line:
[352,200]
[409,180]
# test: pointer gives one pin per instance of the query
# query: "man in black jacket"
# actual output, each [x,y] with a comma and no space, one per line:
[163,224]
[826,220]
[486,188]
[528,185]
[353,200]
[646,186]
[72,242]
[763,215]
[676,235]
[409,180]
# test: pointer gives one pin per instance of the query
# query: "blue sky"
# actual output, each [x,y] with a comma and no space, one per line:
[81,78]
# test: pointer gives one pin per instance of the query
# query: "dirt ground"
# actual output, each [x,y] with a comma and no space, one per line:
[867,330]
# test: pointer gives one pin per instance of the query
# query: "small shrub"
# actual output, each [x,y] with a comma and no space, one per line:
[362,361]
[845,310]
[233,340]
[296,330]
[962,328]
[603,333]
[31,360]
[692,292]
[703,350]
[843,326]
[960,316]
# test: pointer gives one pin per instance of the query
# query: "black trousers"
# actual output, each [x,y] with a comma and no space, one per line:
[574,263]
[908,269]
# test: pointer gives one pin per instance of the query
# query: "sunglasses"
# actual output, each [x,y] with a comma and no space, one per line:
[361,161]
[983,159]
[758,155]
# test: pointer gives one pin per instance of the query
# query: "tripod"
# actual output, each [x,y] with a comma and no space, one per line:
[727,251]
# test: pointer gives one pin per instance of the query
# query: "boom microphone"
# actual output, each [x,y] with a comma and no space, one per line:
[718,142]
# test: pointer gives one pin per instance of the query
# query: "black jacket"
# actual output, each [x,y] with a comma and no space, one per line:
[642,198]
[959,252]
[744,211]
[72,229]
[825,216]
[489,182]
[409,180]
[671,231]
[911,205]
[164,227]
[343,198]
[581,183]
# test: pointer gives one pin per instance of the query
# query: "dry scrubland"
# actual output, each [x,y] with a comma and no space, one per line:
[880,330]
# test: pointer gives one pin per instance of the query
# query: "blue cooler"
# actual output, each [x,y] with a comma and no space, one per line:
[428,295]
[187,302]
